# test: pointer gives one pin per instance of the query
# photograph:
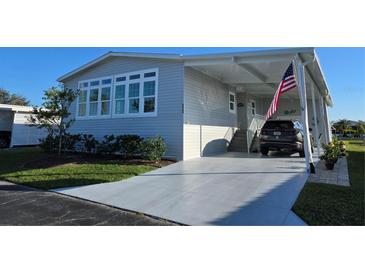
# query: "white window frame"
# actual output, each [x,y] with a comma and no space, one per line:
[234,103]
[86,103]
[100,101]
[252,109]
[113,85]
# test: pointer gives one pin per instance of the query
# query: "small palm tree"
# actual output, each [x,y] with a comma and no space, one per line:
[342,125]
[360,126]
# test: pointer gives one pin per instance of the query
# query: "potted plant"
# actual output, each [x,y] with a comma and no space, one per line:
[342,148]
[330,155]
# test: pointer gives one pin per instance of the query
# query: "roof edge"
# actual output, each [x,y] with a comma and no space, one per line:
[118,54]
[186,57]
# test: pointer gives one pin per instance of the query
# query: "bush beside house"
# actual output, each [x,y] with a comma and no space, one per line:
[129,146]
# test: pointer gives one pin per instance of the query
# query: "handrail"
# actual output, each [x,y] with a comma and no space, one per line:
[255,126]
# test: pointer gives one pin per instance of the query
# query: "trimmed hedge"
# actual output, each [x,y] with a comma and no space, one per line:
[129,146]
[153,148]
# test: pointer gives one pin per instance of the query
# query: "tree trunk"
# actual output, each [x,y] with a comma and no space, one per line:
[59,145]
[60,138]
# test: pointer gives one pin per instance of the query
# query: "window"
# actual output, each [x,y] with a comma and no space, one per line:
[82,103]
[253,107]
[149,96]
[94,83]
[232,102]
[93,102]
[105,100]
[120,79]
[119,99]
[135,94]
[106,82]
[129,94]
[135,76]
[133,97]
[149,74]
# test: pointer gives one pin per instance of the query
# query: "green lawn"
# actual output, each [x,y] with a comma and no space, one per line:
[321,204]
[24,166]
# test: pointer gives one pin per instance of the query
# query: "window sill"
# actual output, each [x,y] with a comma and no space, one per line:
[120,116]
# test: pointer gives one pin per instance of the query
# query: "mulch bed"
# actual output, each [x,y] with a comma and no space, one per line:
[52,160]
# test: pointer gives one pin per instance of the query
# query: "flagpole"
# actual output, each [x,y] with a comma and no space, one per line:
[300,74]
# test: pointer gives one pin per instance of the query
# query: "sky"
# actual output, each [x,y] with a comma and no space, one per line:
[30,71]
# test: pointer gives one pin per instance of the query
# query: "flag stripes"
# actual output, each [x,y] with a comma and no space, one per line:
[287,83]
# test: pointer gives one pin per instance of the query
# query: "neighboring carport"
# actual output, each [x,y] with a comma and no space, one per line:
[14,122]
[227,189]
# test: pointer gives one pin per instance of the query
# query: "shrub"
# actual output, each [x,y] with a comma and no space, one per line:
[89,143]
[69,141]
[153,148]
[109,145]
[49,143]
[129,145]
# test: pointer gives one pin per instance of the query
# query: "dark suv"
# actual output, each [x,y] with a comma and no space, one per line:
[282,135]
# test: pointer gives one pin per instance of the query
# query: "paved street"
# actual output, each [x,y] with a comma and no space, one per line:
[20,205]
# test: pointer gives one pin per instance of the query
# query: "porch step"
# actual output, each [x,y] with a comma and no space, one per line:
[238,142]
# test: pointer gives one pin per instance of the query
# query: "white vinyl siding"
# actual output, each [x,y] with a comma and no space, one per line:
[166,121]
[202,140]
[208,122]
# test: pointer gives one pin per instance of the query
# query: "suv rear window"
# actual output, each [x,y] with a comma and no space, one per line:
[278,125]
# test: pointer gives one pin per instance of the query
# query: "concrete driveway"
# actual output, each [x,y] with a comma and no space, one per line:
[228,189]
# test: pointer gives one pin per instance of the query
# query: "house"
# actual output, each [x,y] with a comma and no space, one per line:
[200,104]
[15,129]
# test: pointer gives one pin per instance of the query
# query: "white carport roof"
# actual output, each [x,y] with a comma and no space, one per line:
[257,71]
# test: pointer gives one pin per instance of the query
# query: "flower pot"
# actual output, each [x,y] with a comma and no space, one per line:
[330,165]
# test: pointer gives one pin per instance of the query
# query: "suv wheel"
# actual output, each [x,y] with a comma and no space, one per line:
[301,153]
[264,151]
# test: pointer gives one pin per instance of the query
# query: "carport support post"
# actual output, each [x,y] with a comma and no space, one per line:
[325,127]
[300,73]
[327,121]
[315,119]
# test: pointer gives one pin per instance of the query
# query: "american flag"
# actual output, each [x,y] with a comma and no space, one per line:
[287,83]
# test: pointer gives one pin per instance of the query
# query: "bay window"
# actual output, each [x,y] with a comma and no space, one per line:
[131,94]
